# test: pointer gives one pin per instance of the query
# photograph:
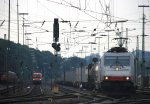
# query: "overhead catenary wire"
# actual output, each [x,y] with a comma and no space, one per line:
[36,25]
[83,10]
[50,10]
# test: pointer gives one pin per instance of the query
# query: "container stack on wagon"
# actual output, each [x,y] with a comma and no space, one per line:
[89,78]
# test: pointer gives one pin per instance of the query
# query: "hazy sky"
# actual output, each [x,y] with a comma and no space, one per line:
[83,16]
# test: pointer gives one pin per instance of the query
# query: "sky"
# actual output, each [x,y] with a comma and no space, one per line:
[83,18]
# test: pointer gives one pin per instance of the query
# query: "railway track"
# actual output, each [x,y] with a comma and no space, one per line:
[89,96]
[34,92]
[13,89]
[140,97]
[6,90]
[70,95]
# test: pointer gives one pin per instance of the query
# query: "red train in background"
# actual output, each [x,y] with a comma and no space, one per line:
[9,77]
[37,78]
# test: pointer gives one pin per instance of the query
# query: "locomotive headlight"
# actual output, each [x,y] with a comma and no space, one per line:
[106,78]
[117,68]
[96,68]
[127,78]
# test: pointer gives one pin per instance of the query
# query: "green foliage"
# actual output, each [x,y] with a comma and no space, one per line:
[24,61]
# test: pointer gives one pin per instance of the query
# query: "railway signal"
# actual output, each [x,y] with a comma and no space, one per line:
[56,30]
[56,46]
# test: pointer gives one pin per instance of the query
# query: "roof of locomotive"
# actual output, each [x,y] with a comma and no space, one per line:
[37,73]
[118,49]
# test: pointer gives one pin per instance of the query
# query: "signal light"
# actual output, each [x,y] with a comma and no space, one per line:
[90,66]
[95,60]
[56,46]
[56,29]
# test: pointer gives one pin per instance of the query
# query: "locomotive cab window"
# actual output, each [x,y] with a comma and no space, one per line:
[37,76]
[117,60]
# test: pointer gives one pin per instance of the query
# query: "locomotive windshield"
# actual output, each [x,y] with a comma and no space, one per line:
[37,76]
[117,60]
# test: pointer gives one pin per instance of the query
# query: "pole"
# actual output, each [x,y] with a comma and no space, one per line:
[91,48]
[99,45]
[108,40]
[81,51]
[8,42]
[108,36]
[85,53]
[23,24]
[64,73]
[18,35]
[4,36]
[127,38]
[137,59]
[23,29]
[143,45]
[18,20]
[9,22]
[21,67]
[81,71]
[51,74]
